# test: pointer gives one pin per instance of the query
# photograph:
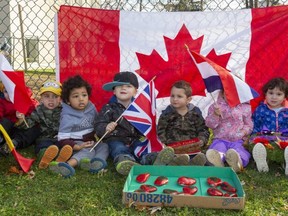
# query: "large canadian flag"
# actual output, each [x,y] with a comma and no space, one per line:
[250,43]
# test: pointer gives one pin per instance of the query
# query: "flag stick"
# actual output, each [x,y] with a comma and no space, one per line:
[104,135]
[25,122]
[25,163]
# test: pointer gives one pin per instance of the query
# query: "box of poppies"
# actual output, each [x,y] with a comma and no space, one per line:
[191,186]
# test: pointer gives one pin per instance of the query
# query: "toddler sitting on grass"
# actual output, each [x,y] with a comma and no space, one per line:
[76,129]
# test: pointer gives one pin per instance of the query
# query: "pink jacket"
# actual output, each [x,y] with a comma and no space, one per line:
[235,123]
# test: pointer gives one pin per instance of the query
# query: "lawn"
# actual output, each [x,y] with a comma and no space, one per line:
[85,194]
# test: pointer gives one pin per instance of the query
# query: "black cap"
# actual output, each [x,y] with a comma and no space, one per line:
[122,78]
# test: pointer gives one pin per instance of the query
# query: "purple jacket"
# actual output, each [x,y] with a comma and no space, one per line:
[234,124]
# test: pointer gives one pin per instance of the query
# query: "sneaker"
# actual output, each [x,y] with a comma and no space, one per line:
[85,164]
[97,164]
[180,160]
[65,153]
[214,158]
[64,169]
[93,166]
[149,158]
[50,153]
[233,159]
[198,160]
[260,154]
[5,150]
[164,156]
[286,160]
[125,166]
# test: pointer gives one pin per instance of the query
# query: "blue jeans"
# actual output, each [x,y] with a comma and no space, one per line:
[117,148]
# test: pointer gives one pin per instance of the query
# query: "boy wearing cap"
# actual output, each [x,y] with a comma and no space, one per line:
[121,134]
[47,116]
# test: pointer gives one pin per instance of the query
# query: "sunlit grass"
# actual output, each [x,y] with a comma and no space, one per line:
[87,194]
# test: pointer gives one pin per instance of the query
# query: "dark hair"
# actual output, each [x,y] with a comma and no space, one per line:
[182,84]
[72,83]
[278,82]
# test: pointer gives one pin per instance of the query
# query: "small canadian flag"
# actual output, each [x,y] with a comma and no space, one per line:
[14,83]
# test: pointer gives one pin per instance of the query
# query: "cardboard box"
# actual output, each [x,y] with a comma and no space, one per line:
[201,199]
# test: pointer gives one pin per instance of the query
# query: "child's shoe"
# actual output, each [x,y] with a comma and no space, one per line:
[180,160]
[4,149]
[260,154]
[64,169]
[94,166]
[164,156]
[198,160]
[124,167]
[50,153]
[65,153]
[286,160]
[214,158]
[233,159]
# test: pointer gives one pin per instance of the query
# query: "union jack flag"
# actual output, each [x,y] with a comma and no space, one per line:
[141,113]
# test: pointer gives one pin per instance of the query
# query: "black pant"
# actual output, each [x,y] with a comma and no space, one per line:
[24,138]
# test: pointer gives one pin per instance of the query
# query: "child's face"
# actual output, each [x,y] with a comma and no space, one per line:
[6,96]
[178,98]
[50,100]
[275,97]
[78,98]
[124,93]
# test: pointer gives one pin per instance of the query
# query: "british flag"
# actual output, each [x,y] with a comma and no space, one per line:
[141,113]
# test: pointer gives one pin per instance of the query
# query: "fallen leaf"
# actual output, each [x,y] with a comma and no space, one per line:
[15,170]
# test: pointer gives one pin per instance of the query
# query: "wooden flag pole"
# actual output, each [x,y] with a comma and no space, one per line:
[104,135]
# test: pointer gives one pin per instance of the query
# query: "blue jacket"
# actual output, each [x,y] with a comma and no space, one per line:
[268,119]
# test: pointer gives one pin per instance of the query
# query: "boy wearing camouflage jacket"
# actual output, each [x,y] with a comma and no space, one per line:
[47,116]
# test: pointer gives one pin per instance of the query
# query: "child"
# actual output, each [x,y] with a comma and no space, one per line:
[9,119]
[231,126]
[46,116]
[182,121]
[270,124]
[121,136]
[76,129]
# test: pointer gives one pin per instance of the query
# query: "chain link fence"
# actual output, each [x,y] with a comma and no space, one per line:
[27,27]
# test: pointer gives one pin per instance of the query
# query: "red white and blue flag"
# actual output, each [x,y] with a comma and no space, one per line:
[251,43]
[218,78]
[141,113]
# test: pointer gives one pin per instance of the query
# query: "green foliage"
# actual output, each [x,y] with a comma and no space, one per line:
[87,194]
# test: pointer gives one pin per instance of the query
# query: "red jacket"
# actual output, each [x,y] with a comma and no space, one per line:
[7,110]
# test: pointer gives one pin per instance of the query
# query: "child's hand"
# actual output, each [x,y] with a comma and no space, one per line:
[88,144]
[111,126]
[217,111]
[20,115]
[200,143]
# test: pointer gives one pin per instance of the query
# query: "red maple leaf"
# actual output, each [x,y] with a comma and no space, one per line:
[179,65]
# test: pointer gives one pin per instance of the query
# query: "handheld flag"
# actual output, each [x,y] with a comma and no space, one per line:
[15,86]
[25,163]
[216,78]
[141,113]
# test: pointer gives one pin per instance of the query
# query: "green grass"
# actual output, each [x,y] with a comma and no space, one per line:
[87,194]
